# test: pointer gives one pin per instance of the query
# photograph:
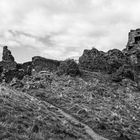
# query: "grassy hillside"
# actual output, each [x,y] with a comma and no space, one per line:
[67,108]
[23,117]
[110,109]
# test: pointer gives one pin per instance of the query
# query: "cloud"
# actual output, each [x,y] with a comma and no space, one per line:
[64,28]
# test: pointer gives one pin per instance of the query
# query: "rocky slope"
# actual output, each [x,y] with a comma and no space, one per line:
[25,117]
[110,109]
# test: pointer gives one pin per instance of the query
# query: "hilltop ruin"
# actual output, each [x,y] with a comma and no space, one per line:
[92,60]
[133,39]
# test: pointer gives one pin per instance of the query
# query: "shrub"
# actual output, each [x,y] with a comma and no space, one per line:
[68,67]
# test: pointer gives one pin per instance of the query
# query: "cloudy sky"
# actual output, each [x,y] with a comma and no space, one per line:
[60,29]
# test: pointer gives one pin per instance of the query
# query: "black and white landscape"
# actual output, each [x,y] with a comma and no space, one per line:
[54,85]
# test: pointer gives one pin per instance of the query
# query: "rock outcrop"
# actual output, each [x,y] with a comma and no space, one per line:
[133,40]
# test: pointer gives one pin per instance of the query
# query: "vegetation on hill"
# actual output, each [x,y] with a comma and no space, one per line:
[68,67]
[24,117]
[110,109]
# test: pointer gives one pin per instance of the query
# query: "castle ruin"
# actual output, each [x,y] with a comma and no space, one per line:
[133,39]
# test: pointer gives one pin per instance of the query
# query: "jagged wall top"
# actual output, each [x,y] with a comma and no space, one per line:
[133,39]
[7,56]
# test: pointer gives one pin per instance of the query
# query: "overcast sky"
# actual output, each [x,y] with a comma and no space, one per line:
[59,29]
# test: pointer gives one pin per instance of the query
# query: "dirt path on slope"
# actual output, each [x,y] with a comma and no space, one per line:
[65,116]
[73,120]
[88,130]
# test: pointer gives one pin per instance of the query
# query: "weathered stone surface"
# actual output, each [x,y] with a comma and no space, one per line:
[133,39]
[133,47]
[43,64]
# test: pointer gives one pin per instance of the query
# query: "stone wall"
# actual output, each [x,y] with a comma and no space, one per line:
[133,52]
[43,64]
[94,60]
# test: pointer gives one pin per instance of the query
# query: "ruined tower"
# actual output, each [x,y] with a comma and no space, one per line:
[133,52]
[7,56]
[8,61]
[133,40]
